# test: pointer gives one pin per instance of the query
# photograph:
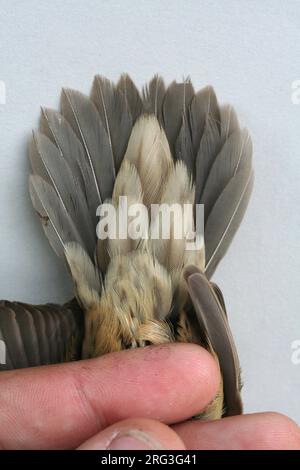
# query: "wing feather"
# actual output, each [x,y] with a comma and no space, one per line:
[36,335]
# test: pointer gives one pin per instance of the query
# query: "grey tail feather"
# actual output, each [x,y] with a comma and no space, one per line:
[215,329]
[89,139]
[132,96]
[153,97]
[84,118]
[47,162]
[115,115]
[177,100]
[225,218]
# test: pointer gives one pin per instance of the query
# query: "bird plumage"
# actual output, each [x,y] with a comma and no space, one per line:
[168,146]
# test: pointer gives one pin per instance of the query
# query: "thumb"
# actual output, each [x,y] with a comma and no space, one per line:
[135,434]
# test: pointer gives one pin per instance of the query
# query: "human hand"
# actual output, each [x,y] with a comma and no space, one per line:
[130,400]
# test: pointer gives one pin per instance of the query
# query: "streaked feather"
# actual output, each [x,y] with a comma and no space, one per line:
[148,150]
[127,222]
[179,186]
[171,250]
[85,276]
[138,283]
[81,266]
[128,183]
[121,245]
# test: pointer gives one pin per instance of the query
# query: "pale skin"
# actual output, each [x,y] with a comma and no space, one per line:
[134,399]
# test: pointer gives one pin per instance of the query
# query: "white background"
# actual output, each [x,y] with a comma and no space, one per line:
[250,52]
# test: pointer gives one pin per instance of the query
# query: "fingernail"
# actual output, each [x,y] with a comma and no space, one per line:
[134,440]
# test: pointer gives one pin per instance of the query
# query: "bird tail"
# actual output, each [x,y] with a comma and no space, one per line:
[168,145]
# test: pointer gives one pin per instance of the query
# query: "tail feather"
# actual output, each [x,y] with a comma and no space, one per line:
[85,275]
[225,218]
[171,248]
[115,116]
[83,117]
[229,122]
[172,147]
[177,100]
[209,148]
[91,153]
[55,219]
[132,96]
[58,130]
[153,97]
[203,104]
[127,184]
[148,150]
[184,147]
[217,338]
[235,155]
[48,163]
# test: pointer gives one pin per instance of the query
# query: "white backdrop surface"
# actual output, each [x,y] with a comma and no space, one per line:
[249,51]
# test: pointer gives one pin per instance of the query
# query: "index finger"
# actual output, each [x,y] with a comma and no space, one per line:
[63,405]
